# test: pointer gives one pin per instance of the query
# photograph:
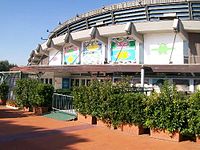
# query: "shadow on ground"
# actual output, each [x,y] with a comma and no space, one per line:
[20,137]
[9,113]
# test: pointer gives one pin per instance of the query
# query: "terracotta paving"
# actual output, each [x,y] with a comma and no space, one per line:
[24,131]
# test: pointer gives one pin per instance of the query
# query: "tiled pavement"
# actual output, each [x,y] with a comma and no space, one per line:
[24,131]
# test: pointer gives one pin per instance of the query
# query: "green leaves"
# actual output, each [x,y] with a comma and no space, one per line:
[194,113]
[4,91]
[167,110]
[114,104]
[30,92]
[110,102]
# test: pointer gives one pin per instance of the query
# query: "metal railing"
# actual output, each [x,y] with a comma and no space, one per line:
[63,103]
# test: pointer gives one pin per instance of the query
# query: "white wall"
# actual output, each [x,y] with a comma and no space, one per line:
[54,57]
[158,47]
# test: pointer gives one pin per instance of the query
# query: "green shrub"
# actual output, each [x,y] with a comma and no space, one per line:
[134,105]
[167,111]
[110,102]
[30,92]
[80,98]
[25,91]
[194,114]
[43,95]
[4,88]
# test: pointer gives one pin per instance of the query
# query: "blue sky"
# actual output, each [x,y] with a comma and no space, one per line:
[24,22]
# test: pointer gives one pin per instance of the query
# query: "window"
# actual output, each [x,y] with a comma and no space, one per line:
[50,81]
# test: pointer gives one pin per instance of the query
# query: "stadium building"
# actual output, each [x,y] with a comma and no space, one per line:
[154,40]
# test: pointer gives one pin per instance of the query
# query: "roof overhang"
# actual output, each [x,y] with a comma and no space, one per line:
[113,68]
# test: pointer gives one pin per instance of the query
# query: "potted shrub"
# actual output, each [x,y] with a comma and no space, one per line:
[4,88]
[85,102]
[24,90]
[41,98]
[166,114]
[101,107]
[194,115]
[134,113]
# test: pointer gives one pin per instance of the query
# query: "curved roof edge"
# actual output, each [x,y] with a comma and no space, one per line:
[118,6]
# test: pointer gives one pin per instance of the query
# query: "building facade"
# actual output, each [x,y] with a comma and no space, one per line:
[160,36]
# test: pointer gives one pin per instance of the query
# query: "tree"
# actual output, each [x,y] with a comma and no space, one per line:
[5,65]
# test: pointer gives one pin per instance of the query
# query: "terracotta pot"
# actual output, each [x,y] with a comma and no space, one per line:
[87,119]
[165,135]
[132,129]
[2,102]
[40,110]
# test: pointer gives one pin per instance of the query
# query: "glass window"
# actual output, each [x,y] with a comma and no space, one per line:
[88,81]
[46,81]
[76,82]
[72,82]
[50,81]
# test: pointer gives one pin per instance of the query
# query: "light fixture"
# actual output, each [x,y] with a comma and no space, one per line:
[43,39]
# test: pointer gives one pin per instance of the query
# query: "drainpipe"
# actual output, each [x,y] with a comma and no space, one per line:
[142,77]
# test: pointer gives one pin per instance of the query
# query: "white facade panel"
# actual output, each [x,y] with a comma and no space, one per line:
[54,57]
[158,48]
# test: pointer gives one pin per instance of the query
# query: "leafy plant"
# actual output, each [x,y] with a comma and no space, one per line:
[43,95]
[80,98]
[134,105]
[30,92]
[167,110]
[194,113]
[112,103]
[4,88]
[25,91]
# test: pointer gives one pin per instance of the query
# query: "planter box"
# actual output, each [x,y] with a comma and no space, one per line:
[132,129]
[40,110]
[87,119]
[165,135]
[105,125]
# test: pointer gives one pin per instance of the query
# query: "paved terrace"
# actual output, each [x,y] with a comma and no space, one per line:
[24,131]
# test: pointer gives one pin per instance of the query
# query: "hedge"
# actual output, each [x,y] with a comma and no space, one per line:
[31,92]
[114,104]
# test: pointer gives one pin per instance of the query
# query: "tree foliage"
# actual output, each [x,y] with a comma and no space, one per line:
[5,65]
[167,110]
[30,92]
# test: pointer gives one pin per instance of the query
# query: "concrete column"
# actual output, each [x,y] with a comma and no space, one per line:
[142,76]
[191,86]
